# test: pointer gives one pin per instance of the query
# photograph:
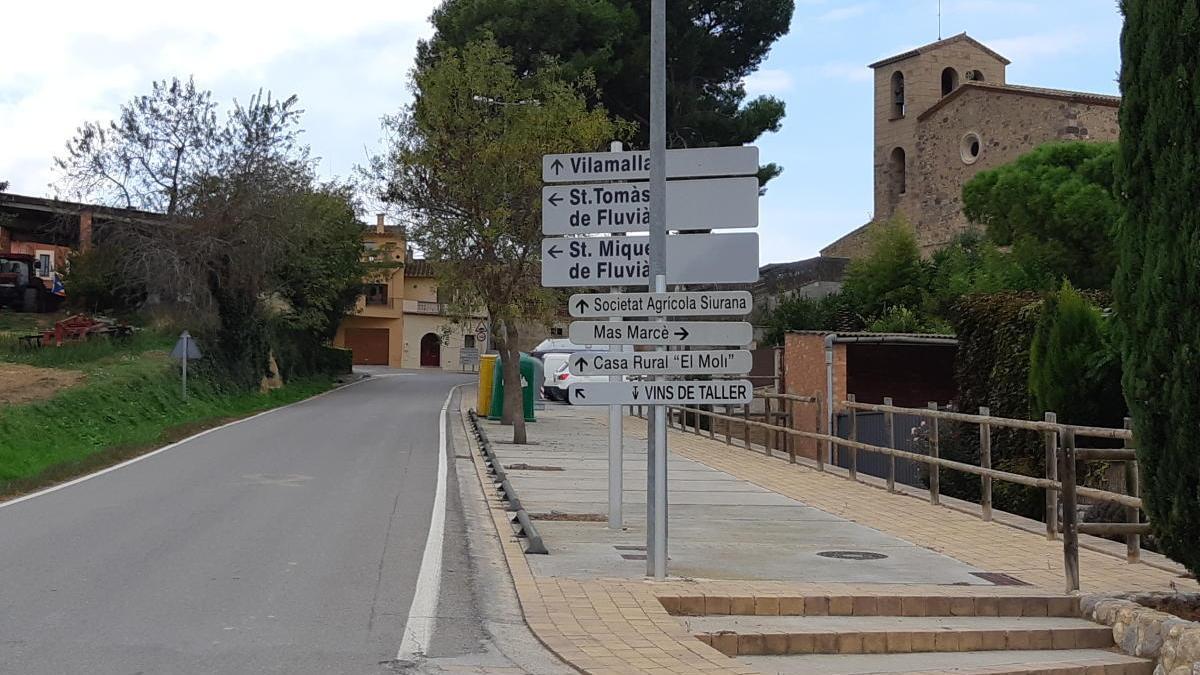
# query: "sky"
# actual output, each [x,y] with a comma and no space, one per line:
[71,61]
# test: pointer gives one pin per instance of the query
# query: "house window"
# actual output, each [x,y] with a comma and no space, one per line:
[556,331]
[468,342]
[45,264]
[376,294]
[897,94]
[899,171]
[949,80]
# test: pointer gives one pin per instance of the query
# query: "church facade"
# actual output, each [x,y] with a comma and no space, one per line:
[943,113]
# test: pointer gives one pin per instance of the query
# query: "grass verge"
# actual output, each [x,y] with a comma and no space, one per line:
[130,404]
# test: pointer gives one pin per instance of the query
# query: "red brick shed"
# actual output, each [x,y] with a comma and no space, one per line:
[912,369]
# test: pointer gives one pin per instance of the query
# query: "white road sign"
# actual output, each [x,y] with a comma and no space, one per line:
[730,258]
[681,303]
[680,333]
[717,392]
[635,165]
[714,362]
[625,207]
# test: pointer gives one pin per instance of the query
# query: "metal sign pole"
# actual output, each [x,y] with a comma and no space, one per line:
[616,435]
[656,502]
[185,360]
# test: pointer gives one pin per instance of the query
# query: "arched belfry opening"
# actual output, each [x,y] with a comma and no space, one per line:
[949,80]
[897,94]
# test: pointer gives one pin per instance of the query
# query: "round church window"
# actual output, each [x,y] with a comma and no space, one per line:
[970,147]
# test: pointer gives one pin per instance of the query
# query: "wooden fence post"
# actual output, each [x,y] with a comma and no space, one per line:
[791,424]
[889,437]
[935,488]
[746,424]
[853,437]
[823,447]
[728,425]
[1051,474]
[985,461]
[1070,512]
[1133,542]
[768,434]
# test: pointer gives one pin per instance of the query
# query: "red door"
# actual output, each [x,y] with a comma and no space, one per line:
[431,351]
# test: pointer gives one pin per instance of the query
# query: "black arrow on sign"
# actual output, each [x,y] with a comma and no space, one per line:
[580,364]
[580,395]
[682,333]
[581,305]
[557,166]
[554,251]
[554,198]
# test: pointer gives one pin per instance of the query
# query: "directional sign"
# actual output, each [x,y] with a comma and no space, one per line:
[683,333]
[696,163]
[625,207]
[692,303]
[730,258]
[715,362]
[714,392]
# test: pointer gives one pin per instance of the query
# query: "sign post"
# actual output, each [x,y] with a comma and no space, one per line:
[590,203]
[185,350]
[656,451]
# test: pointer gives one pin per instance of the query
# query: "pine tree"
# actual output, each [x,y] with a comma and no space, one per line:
[1158,275]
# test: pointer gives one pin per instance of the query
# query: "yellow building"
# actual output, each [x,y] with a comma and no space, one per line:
[400,321]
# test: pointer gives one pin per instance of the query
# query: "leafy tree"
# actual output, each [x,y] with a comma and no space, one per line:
[892,274]
[972,264]
[1157,285]
[464,163]
[145,158]
[250,238]
[714,45]
[1056,207]
[1071,369]
[901,319]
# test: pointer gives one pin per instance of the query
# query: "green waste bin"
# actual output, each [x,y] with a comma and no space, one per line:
[531,381]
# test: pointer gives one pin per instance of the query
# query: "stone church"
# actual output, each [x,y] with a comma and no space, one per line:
[943,113]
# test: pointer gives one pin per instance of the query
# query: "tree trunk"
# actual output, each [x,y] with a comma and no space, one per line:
[513,394]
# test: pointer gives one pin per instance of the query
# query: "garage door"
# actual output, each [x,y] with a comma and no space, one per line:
[370,345]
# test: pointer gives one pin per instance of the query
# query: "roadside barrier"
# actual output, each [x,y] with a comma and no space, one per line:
[522,523]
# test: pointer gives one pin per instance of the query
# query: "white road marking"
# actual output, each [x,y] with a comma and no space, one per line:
[418,628]
[148,455]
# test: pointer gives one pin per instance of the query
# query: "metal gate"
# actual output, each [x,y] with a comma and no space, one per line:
[871,431]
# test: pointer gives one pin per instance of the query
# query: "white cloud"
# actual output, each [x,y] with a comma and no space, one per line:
[1026,48]
[844,12]
[102,54]
[769,81]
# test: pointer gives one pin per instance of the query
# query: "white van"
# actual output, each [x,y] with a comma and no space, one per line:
[553,353]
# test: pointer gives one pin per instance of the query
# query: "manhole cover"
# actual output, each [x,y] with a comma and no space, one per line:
[533,467]
[852,555]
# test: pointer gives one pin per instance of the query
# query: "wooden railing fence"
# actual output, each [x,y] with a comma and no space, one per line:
[1062,454]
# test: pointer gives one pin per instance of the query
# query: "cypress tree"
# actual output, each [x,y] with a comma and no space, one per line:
[1158,274]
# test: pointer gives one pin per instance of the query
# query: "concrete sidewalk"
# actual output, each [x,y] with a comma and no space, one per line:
[746,534]
[722,526]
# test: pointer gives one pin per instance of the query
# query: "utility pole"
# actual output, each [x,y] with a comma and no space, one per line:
[656,451]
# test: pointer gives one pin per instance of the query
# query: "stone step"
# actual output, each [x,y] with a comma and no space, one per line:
[951,604]
[759,635]
[1023,662]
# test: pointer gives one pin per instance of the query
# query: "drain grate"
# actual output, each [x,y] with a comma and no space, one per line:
[533,467]
[634,556]
[621,547]
[852,555]
[1000,578]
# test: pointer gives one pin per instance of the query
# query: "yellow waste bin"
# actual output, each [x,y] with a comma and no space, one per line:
[487,373]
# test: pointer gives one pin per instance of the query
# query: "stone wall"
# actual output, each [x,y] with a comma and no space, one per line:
[1173,643]
[1008,124]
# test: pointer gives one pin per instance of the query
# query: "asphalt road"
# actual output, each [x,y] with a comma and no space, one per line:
[289,543]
